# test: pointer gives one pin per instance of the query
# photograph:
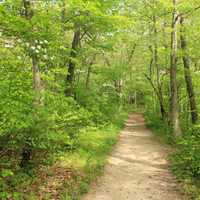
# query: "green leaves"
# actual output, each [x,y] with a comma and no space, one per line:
[6,173]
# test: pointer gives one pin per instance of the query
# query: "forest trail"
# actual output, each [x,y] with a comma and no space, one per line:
[137,169]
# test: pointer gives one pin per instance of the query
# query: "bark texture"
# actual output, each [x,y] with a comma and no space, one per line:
[156,64]
[72,64]
[174,106]
[187,73]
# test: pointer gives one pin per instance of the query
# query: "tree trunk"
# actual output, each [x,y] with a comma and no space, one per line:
[72,64]
[159,87]
[63,15]
[174,107]
[27,9]
[37,86]
[89,72]
[159,97]
[135,99]
[88,77]
[26,156]
[188,78]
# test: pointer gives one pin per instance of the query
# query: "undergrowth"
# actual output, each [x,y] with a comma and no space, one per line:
[67,175]
[89,159]
[185,154]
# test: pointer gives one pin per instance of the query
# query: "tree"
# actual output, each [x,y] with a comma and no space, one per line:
[188,78]
[71,65]
[174,106]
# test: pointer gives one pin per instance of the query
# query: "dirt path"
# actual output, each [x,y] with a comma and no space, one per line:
[137,168]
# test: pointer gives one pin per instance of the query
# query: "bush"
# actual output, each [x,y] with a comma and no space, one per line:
[186,160]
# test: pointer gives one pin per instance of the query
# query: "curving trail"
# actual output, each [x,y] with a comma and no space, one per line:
[137,169]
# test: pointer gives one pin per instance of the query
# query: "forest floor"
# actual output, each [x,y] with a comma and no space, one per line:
[137,168]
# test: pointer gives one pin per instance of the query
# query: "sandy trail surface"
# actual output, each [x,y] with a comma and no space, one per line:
[137,168]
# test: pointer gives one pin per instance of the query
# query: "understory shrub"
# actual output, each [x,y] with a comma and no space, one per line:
[186,160]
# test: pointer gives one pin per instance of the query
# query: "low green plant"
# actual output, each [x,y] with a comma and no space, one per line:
[186,160]
[90,157]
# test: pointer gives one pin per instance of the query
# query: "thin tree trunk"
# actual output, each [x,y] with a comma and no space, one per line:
[131,54]
[160,99]
[88,76]
[188,78]
[89,72]
[72,64]
[37,84]
[159,87]
[174,107]
[135,99]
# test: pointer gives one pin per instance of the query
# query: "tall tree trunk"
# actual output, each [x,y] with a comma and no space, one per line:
[37,85]
[188,78]
[72,64]
[159,87]
[174,107]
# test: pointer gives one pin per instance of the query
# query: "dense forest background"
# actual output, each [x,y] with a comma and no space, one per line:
[71,71]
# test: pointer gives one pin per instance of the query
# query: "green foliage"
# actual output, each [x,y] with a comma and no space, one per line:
[186,160]
[90,157]
[159,127]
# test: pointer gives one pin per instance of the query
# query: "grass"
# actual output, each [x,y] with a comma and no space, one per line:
[89,159]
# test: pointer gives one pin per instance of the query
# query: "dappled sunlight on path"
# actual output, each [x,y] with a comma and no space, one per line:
[137,169]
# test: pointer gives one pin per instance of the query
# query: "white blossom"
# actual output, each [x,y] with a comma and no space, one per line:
[8,45]
[45,57]
[108,85]
[80,71]
[33,48]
